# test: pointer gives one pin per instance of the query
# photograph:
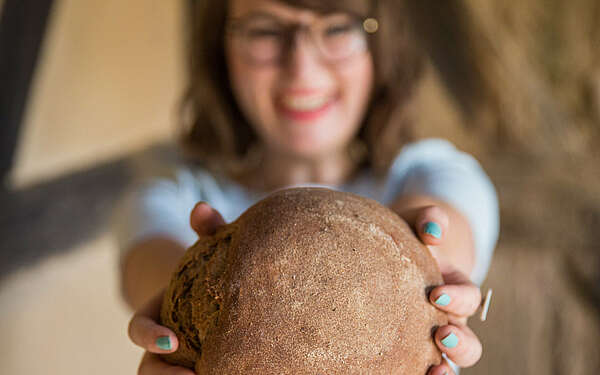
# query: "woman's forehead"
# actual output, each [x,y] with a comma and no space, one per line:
[242,8]
[281,9]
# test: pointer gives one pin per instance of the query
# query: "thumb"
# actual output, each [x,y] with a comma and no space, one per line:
[204,219]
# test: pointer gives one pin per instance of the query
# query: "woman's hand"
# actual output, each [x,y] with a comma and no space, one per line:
[146,333]
[459,297]
[144,330]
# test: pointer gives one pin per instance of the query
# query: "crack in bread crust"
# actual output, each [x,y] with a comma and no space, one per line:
[191,304]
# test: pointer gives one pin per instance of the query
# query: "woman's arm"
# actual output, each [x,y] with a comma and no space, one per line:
[458,245]
[147,268]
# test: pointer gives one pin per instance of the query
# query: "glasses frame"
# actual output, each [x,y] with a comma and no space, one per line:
[292,31]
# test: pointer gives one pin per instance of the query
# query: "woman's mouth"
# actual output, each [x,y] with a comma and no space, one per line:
[305,108]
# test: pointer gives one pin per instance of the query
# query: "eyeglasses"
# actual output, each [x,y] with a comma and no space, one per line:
[265,40]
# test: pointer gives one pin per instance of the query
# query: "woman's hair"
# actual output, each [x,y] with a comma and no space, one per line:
[213,130]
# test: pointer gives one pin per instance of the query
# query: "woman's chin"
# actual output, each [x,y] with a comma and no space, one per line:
[306,150]
[309,141]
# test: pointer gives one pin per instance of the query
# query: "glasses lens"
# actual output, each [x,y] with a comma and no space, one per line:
[341,37]
[264,41]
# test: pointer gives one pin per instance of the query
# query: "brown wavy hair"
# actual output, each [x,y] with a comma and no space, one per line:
[212,129]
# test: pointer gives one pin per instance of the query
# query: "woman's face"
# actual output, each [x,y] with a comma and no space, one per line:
[301,104]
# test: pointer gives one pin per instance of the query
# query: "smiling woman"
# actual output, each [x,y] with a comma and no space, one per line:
[278,100]
[305,100]
[289,93]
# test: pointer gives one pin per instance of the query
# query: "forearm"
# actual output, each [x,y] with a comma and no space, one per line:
[458,245]
[147,268]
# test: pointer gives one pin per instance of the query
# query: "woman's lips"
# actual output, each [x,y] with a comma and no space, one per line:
[305,108]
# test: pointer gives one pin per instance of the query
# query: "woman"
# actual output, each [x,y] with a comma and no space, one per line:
[284,93]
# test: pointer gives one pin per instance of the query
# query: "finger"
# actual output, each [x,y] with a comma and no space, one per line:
[431,223]
[441,369]
[146,333]
[204,219]
[153,337]
[459,343]
[462,300]
[152,364]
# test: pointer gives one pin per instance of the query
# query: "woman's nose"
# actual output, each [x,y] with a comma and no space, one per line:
[303,60]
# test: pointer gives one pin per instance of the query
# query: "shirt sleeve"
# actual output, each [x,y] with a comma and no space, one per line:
[160,206]
[437,168]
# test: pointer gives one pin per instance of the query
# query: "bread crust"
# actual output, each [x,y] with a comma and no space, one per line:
[306,281]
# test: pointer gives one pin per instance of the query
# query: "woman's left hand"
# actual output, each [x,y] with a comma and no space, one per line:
[458,297]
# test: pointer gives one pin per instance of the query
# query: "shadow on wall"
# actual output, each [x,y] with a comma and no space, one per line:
[56,216]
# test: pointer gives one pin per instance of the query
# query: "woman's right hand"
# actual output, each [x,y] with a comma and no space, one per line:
[144,330]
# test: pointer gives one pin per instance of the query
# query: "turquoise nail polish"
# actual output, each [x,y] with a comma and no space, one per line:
[450,341]
[443,300]
[433,228]
[164,342]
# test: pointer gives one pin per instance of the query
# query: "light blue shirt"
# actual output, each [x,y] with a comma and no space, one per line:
[162,205]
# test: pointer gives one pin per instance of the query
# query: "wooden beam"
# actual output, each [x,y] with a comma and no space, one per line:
[22,30]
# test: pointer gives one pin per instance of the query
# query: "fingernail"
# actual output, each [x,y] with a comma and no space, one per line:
[450,341]
[433,228]
[164,342]
[443,300]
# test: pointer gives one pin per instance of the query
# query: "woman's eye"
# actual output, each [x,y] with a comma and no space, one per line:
[338,29]
[264,33]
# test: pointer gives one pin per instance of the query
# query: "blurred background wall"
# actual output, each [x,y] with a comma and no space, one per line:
[516,83]
[105,84]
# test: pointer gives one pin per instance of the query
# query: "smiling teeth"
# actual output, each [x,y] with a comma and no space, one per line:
[305,103]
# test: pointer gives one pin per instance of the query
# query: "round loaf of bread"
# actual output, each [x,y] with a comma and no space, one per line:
[306,281]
